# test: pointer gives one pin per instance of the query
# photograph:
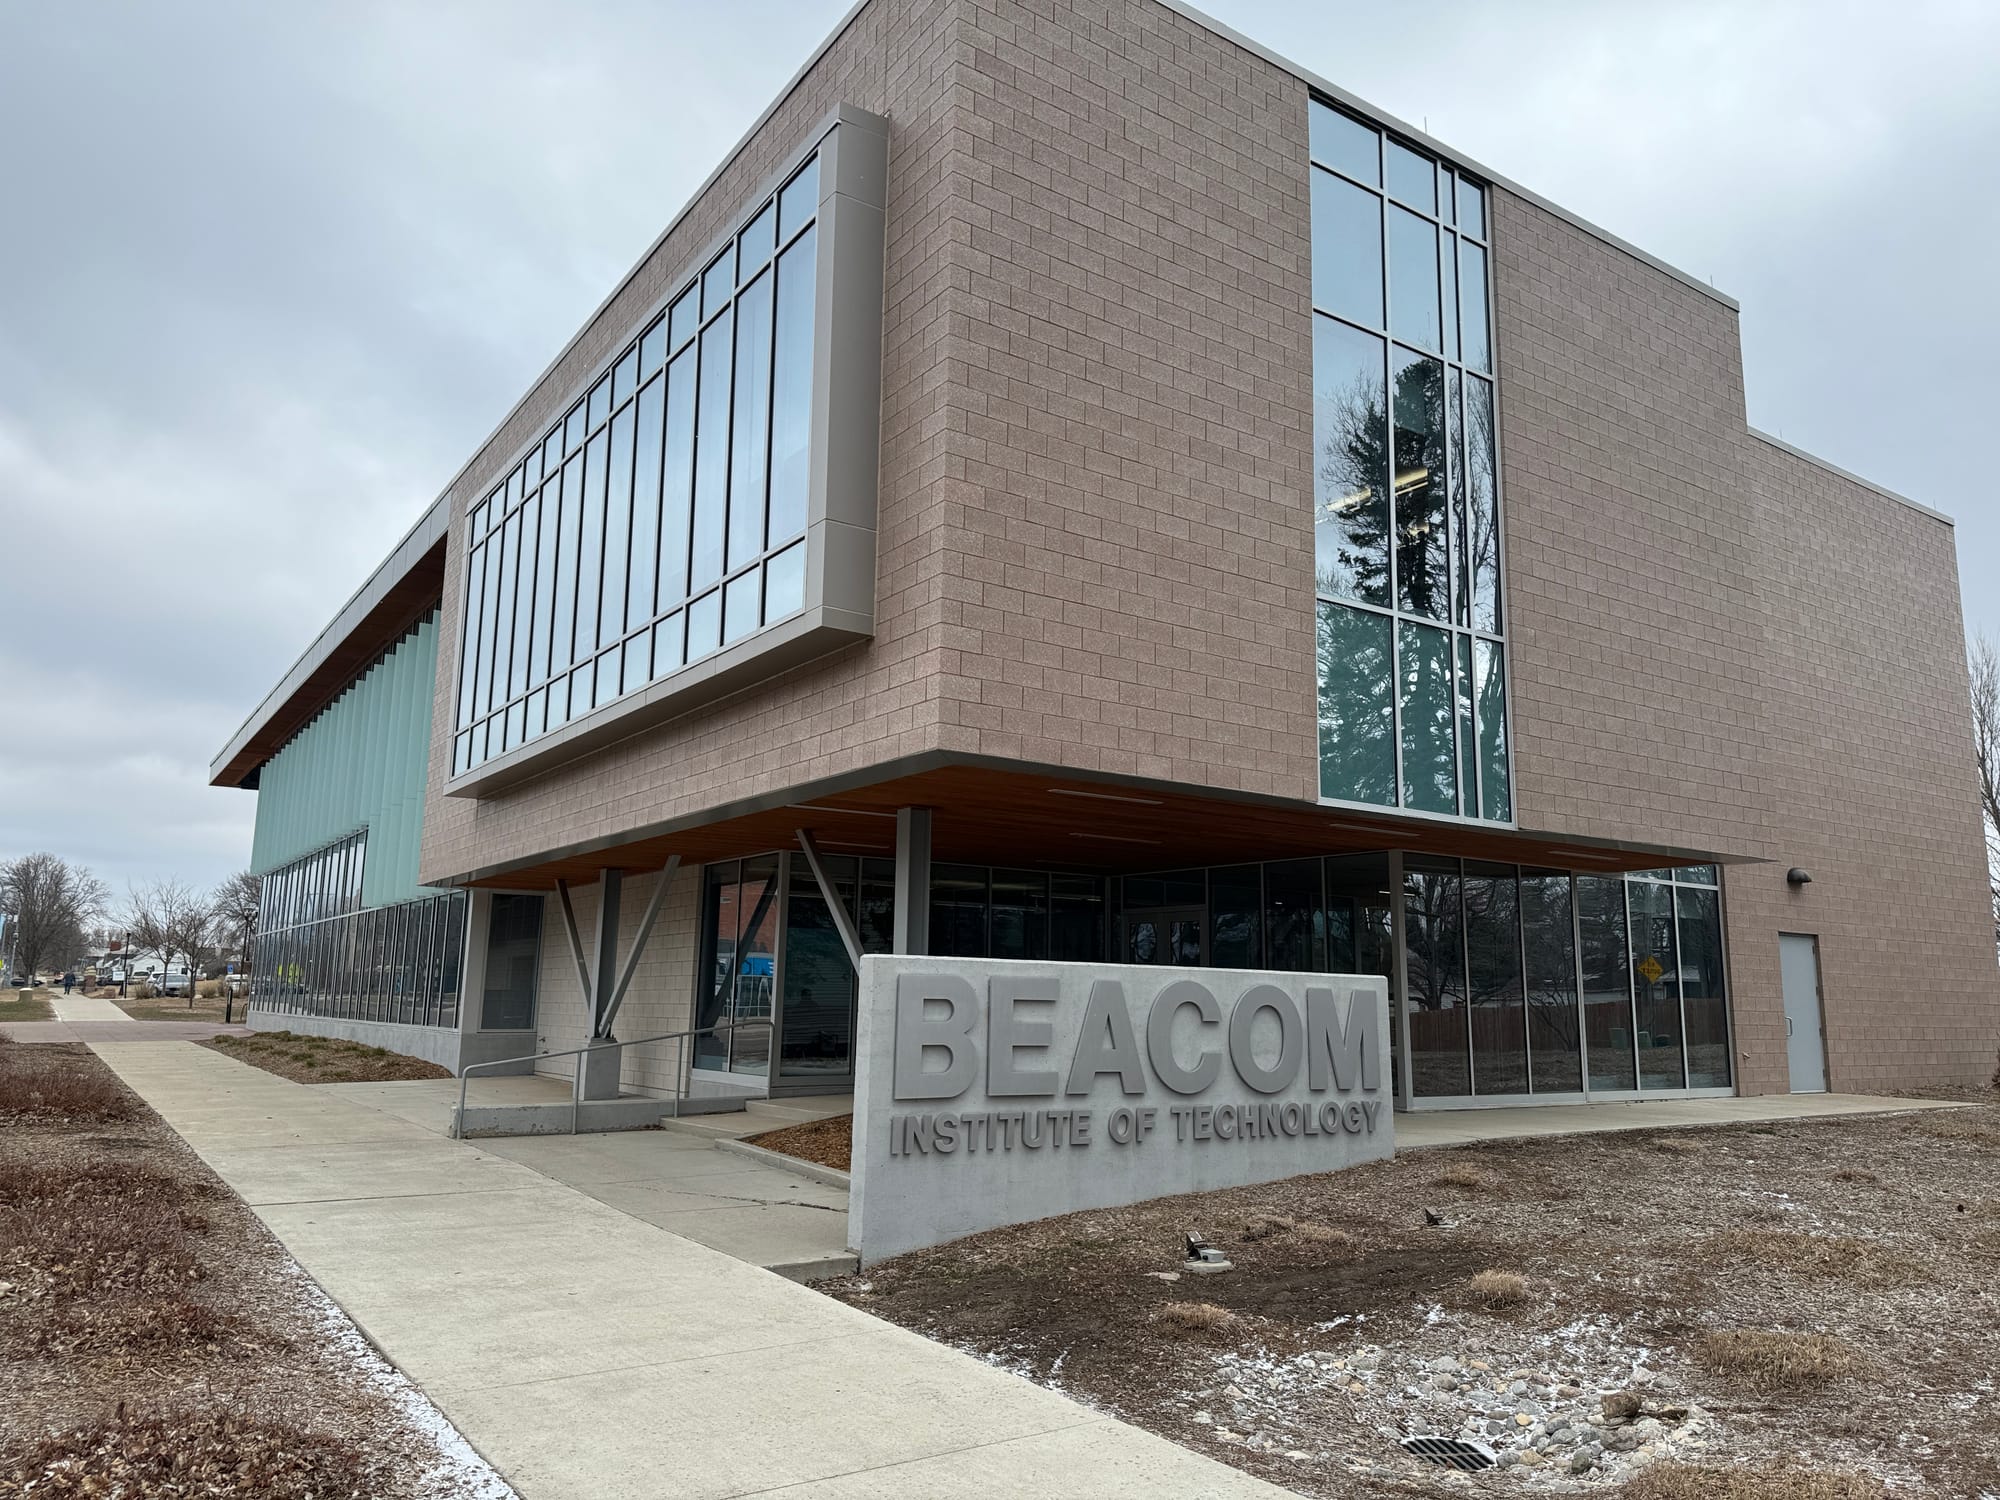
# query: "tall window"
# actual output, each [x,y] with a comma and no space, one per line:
[664,517]
[1406,520]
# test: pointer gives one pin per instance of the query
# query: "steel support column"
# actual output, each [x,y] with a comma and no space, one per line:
[913,880]
[842,922]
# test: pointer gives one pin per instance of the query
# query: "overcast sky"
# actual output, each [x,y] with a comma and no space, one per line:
[269,272]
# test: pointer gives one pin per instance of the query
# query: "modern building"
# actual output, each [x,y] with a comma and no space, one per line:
[1075,485]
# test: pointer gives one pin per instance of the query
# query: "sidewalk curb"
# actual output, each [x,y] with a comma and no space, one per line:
[797,1166]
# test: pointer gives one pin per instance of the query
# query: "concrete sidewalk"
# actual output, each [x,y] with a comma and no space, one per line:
[88,1008]
[589,1354]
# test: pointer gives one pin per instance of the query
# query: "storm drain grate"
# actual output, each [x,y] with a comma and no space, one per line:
[1450,1453]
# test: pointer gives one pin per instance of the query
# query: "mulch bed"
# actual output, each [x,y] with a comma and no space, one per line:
[828,1142]
[319,1059]
[1817,1297]
[158,1341]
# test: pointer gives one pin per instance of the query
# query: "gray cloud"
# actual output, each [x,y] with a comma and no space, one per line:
[274,270]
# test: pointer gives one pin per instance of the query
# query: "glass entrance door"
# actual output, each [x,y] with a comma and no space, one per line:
[1168,935]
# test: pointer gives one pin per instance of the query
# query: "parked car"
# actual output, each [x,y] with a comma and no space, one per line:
[174,982]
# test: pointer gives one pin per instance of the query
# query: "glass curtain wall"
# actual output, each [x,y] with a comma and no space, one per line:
[1412,660]
[664,516]
[770,950]
[1499,958]
[320,952]
[513,958]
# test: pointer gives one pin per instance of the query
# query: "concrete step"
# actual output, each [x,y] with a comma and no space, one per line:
[800,1111]
[818,1267]
[719,1127]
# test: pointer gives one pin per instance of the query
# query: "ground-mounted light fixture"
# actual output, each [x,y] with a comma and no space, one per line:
[1796,877]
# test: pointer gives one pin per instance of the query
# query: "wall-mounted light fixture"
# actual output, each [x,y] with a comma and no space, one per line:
[1796,877]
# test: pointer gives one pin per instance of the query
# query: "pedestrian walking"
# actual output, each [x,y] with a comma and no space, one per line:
[69,978]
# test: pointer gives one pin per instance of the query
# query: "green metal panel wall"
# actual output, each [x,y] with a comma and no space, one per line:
[361,763]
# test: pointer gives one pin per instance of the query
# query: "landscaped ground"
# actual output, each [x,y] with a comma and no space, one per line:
[829,1142]
[1614,1314]
[25,1005]
[158,1341]
[321,1059]
[169,1008]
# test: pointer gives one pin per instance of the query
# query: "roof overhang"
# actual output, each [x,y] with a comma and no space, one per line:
[397,594]
[990,811]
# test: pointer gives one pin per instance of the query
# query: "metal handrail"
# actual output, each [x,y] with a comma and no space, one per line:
[576,1084]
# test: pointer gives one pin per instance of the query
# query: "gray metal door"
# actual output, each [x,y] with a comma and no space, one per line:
[1805,1035]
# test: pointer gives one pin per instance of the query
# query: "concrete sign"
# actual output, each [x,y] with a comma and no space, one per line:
[991,1091]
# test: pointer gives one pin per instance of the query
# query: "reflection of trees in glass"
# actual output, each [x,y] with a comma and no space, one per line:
[1491,692]
[1423,567]
[1483,514]
[1434,930]
[1493,951]
[1350,480]
[1430,775]
[1549,949]
[1356,756]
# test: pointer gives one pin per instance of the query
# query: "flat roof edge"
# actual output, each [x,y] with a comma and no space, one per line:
[1426,139]
[415,545]
[1848,474]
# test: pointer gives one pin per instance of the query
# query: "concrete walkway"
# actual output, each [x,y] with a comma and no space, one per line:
[87,1008]
[1458,1127]
[82,1018]
[760,1214]
[587,1353]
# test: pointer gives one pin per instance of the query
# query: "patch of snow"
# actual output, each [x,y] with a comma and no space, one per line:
[457,1470]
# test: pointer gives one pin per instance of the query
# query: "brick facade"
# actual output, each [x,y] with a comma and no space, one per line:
[1095,545]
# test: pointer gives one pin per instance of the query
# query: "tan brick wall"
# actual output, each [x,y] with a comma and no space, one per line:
[1718,645]
[1095,524]
[657,1002]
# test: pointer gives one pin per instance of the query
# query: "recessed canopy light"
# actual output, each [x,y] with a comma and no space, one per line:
[1063,791]
[852,812]
[1112,838]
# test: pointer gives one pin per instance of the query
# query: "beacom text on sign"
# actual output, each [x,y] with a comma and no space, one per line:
[1337,1041]
[992,1092]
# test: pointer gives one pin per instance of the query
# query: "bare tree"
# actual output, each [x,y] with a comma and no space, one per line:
[170,918]
[1983,662]
[49,901]
[235,905]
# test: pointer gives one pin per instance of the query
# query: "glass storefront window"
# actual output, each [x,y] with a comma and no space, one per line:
[1704,1011]
[319,952]
[1655,985]
[1493,966]
[1607,982]
[513,952]
[1434,960]
[1548,946]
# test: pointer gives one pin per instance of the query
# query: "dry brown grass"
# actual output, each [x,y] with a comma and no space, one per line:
[1265,1226]
[1855,1174]
[218,1454]
[50,1085]
[1776,1360]
[321,1059]
[165,1331]
[1204,1318]
[1972,1127]
[1676,1145]
[1705,1482]
[1494,1290]
[1830,1257]
[1326,1234]
[1466,1177]
[110,1228]
[24,1005]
